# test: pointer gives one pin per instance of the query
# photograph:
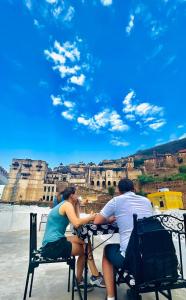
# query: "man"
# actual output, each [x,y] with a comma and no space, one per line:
[122,208]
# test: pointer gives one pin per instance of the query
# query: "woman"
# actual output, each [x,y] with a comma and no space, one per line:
[55,244]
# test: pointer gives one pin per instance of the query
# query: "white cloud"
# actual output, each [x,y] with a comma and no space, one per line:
[117,142]
[182,136]
[79,80]
[105,119]
[68,115]
[82,120]
[66,59]
[28,4]
[180,126]
[157,124]
[106,2]
[70,14]
[69,50]
[130,117]
[56,57]
[130,24]
[128,108]
[116,123]
[145,114]
[56,100]
[149,119]
[52,1]
[57,11]
[66,71]
[69,104]
[145,109]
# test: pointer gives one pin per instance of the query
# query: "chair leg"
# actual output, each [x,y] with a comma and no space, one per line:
[32,278]
[78,289]
[69,273]
[26,285]
[73,283]
[157,295]
[115,286]
[170,294]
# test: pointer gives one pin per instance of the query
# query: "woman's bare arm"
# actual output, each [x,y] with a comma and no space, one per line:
[68,209]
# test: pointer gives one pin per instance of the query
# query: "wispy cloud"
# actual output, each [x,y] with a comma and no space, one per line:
[119,143]
[157,124]
[70,14]
[66,60]
[130,25]
[52,1]
[106,2]
[145,113]
[68,115]
[106,119]
[183,136]
[28,4]
[79,80]
[180,126]
[56,100]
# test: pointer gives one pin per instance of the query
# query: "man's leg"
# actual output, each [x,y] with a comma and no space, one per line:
[108,273]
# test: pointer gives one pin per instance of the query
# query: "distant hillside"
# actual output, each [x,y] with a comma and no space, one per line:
[171,147]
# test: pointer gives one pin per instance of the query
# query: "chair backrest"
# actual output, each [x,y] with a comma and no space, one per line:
[44,218]
[151,255]
[33,233]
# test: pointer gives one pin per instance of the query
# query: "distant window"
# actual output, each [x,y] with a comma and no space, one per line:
[48,198]
[92,183]
[43,197]
[53,189]
[114,183]
[98,183]
[109,183]
[49,189]
[103,183]
[161,204]
[64,179]
[51,198]
[44,188]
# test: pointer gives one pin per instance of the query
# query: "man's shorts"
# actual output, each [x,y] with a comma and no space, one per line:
[60,248]
[113,254]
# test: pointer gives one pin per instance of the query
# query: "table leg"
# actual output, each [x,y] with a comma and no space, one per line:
[85,271]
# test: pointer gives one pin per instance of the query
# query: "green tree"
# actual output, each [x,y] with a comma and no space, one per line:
[182,169]
[111,190]
[145,179]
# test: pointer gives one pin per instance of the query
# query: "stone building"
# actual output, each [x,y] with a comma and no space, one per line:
[3,180]
[26,179]
[104,176]
[182,156]
[3,176]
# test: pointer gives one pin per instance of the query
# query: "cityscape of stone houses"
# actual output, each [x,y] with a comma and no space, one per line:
[33,180]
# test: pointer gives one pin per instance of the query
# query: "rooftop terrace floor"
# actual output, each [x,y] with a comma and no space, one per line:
[50,281]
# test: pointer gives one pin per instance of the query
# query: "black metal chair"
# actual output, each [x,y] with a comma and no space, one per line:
[35,259]
[177,228]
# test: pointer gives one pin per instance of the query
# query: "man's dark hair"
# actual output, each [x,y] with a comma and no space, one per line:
[68,191]
[125,185]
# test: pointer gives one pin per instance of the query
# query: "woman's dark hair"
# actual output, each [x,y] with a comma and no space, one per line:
[125,185]
[68,191]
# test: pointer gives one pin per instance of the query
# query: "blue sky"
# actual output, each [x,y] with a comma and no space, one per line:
[87,80]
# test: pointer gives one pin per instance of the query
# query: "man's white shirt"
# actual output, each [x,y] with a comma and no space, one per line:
[123,207]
